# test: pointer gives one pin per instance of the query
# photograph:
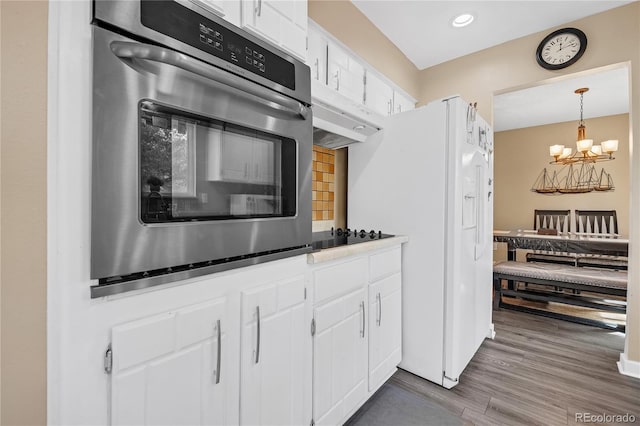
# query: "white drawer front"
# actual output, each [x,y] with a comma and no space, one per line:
[339,279]
[385,263]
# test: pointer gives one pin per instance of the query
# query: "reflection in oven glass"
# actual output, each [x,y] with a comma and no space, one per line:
[196,168]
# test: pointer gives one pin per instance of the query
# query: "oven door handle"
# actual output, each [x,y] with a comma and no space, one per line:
[129,51]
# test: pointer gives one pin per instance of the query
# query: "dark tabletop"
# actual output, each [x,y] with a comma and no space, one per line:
[609,244]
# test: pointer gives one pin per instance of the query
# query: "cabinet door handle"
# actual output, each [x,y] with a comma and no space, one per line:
[337,77]
[317,65]
[379,309]
[258,335]
[364,321]
[218,362]
[259,8]
[389,108]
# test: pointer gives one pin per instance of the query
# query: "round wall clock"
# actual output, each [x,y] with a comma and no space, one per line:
[561,48]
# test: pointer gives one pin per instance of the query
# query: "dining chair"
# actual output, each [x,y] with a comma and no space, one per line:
[552,219]
[599,222]
[559,220]
[596,221]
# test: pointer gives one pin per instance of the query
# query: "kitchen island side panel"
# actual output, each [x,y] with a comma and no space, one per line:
[396,183]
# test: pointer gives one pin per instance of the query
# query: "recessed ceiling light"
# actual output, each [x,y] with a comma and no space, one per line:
[462,20]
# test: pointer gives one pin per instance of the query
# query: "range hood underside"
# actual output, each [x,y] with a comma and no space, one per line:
[333,129]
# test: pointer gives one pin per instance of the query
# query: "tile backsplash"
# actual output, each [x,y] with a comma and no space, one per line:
[323,178]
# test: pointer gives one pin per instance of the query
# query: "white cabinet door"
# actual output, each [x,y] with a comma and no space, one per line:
[379,95]
[402,103]
[385,329]
[276,355]
[346,75]
[282,22]
[169,369]
[227,9]
[317,55]
[339,357]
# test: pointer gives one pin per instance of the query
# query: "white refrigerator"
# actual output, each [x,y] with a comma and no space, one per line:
[429,175]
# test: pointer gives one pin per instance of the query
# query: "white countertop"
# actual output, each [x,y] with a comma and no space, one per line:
[325,255]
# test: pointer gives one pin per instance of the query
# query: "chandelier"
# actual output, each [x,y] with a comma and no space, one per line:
[583,177]
[586,151]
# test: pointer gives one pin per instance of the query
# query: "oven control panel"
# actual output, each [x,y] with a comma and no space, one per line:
[183,24]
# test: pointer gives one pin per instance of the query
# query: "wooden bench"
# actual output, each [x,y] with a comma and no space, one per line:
[555,276]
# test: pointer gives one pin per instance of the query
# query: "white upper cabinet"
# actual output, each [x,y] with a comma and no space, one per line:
[317,55]
[379,95]
[402,102]
[227,9]
[334,66]
[345,73]
[282,22]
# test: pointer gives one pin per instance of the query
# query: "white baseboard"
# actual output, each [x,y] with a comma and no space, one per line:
[628,367]
[492,332]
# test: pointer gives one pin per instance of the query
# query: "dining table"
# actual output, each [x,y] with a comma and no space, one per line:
[570,242]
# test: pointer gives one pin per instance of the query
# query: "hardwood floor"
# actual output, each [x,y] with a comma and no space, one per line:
[537,371]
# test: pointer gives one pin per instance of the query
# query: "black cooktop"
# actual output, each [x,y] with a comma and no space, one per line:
[341,237]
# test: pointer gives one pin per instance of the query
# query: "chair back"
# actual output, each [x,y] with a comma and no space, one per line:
[552,219]
[597,221]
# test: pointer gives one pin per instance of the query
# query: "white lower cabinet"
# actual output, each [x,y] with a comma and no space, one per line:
[196,365]
[358,331]
[169,369]
[276,355]
[385,329]
[340,357]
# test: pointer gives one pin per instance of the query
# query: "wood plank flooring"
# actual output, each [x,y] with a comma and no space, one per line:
[537,371]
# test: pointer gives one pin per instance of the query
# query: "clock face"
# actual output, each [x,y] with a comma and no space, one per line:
[561,48]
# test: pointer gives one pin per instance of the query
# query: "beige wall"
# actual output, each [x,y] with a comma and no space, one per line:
[520,156]
[345,22]
[23,198]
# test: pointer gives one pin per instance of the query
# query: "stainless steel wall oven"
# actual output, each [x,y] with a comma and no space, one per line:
[202,141]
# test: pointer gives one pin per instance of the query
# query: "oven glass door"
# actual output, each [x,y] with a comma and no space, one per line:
[191,164]
[195,168]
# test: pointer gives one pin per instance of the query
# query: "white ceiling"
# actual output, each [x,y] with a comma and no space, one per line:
[557,102]
[421,29]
